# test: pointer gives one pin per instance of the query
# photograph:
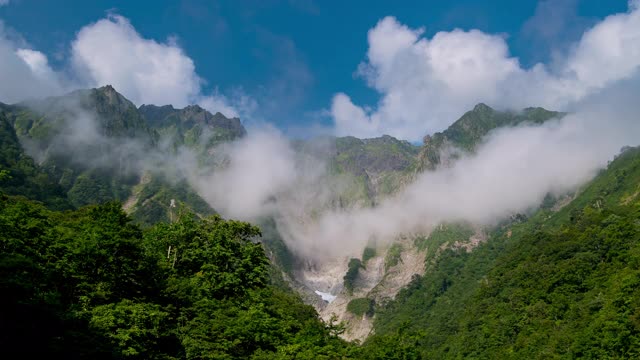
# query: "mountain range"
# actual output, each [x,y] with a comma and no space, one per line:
[558,281]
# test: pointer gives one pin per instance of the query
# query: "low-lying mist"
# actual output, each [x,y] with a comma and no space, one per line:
[263,175]
[511,172]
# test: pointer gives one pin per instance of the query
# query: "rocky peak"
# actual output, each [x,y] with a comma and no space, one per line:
[482,107]
[109,96]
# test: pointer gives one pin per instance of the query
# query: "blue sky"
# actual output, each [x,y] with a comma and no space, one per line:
[293,56]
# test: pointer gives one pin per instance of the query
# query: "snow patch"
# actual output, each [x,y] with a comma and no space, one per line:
[326,296]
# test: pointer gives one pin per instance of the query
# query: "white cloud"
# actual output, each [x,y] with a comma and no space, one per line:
[218,103]
[4,2]
[426,84]
[24,73]
[261,166]
[37,62]
[111,51]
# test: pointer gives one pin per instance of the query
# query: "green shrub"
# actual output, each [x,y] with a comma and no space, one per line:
[361,306]
[352,274]
[393,256]
[368,253]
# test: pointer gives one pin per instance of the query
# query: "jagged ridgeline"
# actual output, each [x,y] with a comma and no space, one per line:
[97,146]
[381,166]
[470,130]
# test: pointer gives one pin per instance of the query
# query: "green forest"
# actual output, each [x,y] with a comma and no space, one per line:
[89,284]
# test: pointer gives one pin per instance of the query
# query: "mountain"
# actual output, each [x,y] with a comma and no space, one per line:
[87,141]
[194,128]
[188,125]
[114,116]
[99,147]
[377,168]
[382,164]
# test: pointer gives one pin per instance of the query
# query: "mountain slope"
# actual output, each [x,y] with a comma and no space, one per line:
[89,141]
[561,284]
[377,168]
[21,175]
[383,163]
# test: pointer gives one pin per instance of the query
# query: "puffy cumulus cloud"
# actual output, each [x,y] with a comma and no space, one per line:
[608,52]
[37,62]
[111,51]
[144,70]
[426,84]
[24,73]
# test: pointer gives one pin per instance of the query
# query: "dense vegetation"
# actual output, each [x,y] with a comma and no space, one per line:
[361,306]
[349,279]
[89,284]
[393,256]
[559,285]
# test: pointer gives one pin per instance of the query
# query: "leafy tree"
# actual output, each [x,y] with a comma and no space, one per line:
[352,274]
[361,306]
